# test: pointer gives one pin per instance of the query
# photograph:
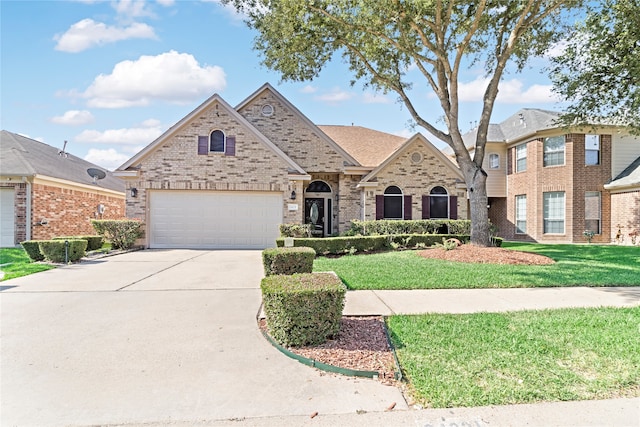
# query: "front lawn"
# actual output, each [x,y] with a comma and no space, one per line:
[16,263]
[576,265]
[519,357]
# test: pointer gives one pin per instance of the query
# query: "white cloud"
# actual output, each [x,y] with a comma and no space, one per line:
[376,98]
[109,159]
[126,136]
[173,77]
[88,33]
[309,89]
[132,8]
[405,133]
[335,96]
[556,49]
[74,118]
[509,92]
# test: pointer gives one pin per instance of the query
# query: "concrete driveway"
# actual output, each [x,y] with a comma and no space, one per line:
[156,337]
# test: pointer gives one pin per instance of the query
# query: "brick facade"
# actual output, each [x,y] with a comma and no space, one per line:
[66,209]
[574,178]
[625,216]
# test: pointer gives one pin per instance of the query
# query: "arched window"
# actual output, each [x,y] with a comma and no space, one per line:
[318,187]
[393,203]
[217,141]
[494,161]
[439,202]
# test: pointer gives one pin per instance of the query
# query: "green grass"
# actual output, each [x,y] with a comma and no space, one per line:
[16,263]
[576,265]
[520,357]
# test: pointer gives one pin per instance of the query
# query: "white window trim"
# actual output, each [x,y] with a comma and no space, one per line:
[522,216]
[490,165]
[564,213]
[401,196]
[521,148]
[563,151]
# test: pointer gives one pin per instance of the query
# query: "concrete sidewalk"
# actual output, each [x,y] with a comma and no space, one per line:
[458,301]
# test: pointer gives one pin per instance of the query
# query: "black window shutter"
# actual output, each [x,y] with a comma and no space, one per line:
[230,148]
[379,206]
[407,207]
[453,207]
[426,207]
[203,145]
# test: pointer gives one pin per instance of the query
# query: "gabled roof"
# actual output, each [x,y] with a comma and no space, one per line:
[525,122]
[369,147]
[22,156]
[340,150]
[417,138]
[206,104]
[630,177]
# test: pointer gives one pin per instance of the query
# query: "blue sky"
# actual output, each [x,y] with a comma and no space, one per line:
[111,76]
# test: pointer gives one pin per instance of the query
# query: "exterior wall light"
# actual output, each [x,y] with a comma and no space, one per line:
[293,195]
[134,192]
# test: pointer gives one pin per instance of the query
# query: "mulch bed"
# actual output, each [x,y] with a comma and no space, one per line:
[477,254]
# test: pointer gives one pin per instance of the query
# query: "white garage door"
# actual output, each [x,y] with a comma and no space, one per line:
[7,217]
[214,220]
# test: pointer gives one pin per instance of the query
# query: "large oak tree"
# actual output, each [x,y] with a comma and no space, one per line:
[599,70]
[381,40]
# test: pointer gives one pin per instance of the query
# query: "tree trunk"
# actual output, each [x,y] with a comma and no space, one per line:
[476,180]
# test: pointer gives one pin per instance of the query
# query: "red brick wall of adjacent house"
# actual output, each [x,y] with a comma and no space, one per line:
[625,216]
[69,211]
[591,178]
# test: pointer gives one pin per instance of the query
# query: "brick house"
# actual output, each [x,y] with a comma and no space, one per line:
[46,192]
[550,184]
[225,177]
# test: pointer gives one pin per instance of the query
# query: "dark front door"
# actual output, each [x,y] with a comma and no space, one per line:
[314,215]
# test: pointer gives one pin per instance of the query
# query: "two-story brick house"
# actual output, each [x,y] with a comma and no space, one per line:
[551,184]
[225,177]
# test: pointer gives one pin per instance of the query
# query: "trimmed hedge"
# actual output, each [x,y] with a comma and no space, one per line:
[32,249]
[416,226]
[497,241]
[355,244]
[53,250]
[295,230]
[303,309]
[93,242]
[288,260]
[122,233]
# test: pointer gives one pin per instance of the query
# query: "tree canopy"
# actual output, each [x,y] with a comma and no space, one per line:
[381,40]
[599,71]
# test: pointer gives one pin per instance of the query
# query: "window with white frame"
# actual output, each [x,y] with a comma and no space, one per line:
[494,161]
[521,214]
[554,151]
[393,203]
[553,211]
[217,141]
[521,157]
[591,150]
[592,211]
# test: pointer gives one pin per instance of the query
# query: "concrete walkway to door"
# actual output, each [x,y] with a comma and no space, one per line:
[156,337]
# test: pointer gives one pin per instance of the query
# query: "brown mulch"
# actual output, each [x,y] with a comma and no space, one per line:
[361,345]
[490,255]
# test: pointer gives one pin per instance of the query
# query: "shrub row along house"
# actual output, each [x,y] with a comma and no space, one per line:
[225,177]
[46,192]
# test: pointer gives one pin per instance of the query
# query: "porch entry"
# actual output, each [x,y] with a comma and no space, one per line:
[318,208]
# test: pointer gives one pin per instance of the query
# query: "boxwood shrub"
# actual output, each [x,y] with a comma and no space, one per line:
[288,260]
[122,233]
[303,309]
[32,249]
[295,230]
[93,242]
[54,250]
[416,226]
[359,244]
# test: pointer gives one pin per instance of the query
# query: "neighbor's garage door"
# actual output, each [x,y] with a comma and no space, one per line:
[7,217]
[214,220]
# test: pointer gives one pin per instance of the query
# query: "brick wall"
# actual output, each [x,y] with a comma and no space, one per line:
[416,180]
[625,216]
[69,211]
[292,135]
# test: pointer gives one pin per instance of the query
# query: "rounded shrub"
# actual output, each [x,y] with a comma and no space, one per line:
[54,250]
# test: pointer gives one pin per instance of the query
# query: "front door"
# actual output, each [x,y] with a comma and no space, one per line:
[314,215]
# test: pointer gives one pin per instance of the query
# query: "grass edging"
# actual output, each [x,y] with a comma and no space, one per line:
[331,368]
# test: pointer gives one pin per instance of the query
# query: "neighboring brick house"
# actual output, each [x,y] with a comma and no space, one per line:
[46,192]
[225,177]
[551,184]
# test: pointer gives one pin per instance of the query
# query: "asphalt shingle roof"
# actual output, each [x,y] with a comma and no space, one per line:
[369,147]
[628,177]
[22,156]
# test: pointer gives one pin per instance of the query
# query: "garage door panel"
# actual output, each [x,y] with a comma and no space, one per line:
[206,219]
[7,217]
